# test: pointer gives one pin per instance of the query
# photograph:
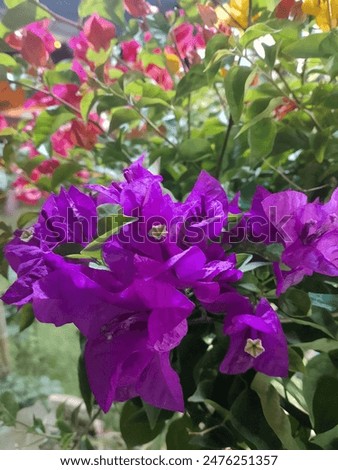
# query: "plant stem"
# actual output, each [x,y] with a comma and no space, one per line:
[224,148]
[153,126]
[189,116]
[250,14]
[56,16]
[283,175]
[60,100]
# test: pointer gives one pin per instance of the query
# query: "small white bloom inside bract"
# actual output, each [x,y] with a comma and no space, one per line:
[254,347]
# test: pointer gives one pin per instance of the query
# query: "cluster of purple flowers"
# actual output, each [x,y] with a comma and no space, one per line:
[132,303]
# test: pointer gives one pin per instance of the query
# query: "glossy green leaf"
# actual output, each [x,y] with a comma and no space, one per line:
[135,427]
[276,417]
[261,138]
[235,83]
[113,10]
[22,14]
[48,122]
[307,47]
[7,61]
[64,172]
[194,149]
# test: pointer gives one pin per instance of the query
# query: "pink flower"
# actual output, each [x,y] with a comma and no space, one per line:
[284,8]
[285,108]
[99,32]
[208,15]
[3,123]
[147,36]
[26,192]
[130,50]
[45,168]
[160,75]
[186,40]
[79,70]
[138,8]
[84,134]
[40,100]
[69,93]
[34,41]
[75,134]
[80,46]
[61,140]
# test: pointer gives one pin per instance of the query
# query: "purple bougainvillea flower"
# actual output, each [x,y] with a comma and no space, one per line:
[309,236]
[256,338]
[205,210]
[130,333]
[69,217]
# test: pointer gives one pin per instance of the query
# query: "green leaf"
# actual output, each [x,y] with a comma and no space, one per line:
[64,172]
[87,103]
[7,60]
[152,414]
[295,303]
[262,137]
[194,80]
[26,317]
[22,14]
[235,83]
[307,47]
[178,437]
[55,77]
[327,301]
[276,417]
[295,361]
[322,344]
[48,122]
[254,32]
[122,116]
[135,427]
[13,3]
[327,440]
[320,392]
[248,419]
[8,409]
[325,404]
[115,222]
[26,218]
[262,115]
[85,390]
[111,9]
[194,149]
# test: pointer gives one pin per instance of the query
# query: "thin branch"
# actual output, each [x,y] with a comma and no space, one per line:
[283,175]
[56,16]
[152,125]
[60,100]
[189,116]
[250,13]
[224,148]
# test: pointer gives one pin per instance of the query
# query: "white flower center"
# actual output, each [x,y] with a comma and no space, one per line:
[158,231]
[254,347]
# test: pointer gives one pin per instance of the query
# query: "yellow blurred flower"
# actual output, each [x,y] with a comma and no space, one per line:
[173,62]
[235,13]
[325,12]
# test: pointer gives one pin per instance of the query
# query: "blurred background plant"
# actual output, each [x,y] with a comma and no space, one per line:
[244,89]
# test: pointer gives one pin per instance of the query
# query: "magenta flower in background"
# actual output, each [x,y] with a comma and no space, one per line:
[256,338]
[99,32]
[34,42]
[3,123]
